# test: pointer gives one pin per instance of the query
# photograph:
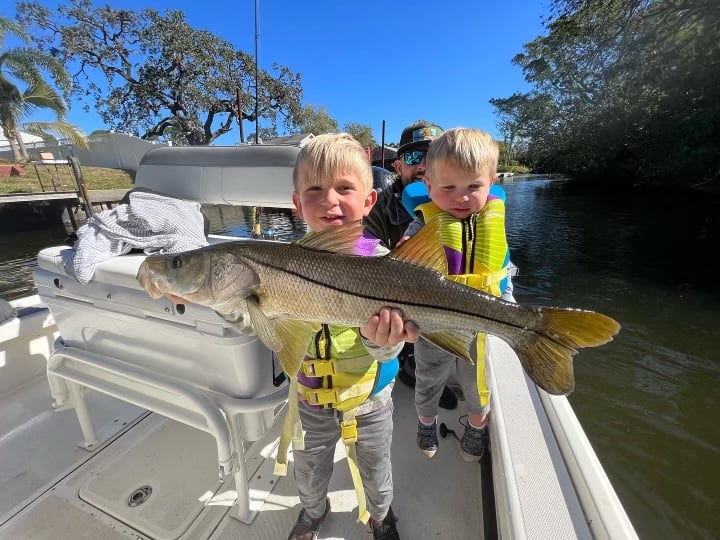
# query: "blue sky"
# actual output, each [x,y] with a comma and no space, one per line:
[368,62]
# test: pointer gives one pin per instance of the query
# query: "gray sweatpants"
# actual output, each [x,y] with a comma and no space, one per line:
[314,465]
[433,366]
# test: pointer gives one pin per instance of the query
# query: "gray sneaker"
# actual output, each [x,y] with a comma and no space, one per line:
[307,528]
[427,440]
[473,443]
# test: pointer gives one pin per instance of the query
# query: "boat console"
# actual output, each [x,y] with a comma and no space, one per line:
[182,361]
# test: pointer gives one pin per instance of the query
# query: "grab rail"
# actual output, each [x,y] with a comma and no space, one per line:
[203,409]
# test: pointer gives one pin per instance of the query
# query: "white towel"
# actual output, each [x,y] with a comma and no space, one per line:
[153,223]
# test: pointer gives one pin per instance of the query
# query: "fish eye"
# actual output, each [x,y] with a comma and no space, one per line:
[176,262]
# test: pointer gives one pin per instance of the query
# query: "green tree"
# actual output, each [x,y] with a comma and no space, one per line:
[266,133]
[315,120]
[623,90]
[362,133]
[160,76]
[511,123]
[25,90]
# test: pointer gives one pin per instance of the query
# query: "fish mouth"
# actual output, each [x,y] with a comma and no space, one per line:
[154,284]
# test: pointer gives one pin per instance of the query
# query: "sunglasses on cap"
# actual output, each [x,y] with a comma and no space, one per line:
[414,157]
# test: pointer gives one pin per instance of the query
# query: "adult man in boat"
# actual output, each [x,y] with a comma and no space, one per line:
[389,219]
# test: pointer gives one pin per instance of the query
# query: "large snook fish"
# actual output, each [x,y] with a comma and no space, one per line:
[288,290]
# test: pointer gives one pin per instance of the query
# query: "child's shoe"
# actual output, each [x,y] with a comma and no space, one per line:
[385,529]
[427,440]
[307,528]
[473,443]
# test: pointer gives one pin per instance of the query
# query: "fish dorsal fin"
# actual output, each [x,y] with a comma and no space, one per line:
[341,239]
[424,248]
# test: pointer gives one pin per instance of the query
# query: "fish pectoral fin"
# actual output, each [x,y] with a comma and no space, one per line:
[454,342]
[287,338]
[263,326]
[424,249]
[294,336]
[340,239]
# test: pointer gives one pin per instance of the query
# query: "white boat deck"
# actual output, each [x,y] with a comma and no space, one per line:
[53,488]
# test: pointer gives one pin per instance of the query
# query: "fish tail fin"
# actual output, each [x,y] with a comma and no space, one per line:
[547,356]
[577,328]
[549,364]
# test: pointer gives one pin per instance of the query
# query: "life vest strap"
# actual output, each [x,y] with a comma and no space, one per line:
[292,431]
[481,374]
[334,396]
[349,434]
[481,281]
[314,367]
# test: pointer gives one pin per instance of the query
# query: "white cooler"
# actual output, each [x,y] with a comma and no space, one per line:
[184,362]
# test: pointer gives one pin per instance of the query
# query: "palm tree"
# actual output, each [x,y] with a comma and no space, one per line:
[26,66]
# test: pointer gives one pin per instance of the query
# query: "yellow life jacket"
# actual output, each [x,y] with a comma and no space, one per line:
[479,242]
[478,257]
[338,372]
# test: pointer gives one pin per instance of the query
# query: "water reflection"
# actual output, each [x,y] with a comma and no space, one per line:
[646,399]
[18,253]
[239,221]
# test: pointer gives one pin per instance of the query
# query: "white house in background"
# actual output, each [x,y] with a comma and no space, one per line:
[27,138]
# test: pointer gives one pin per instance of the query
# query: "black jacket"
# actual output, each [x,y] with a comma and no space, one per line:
[388,219]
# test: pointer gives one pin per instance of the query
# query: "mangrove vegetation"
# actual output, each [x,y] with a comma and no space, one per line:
[623,92]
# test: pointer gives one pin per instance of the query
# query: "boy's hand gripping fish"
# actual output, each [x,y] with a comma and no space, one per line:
[288,290]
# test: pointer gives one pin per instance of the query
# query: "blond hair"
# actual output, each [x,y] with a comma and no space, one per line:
[472,150]
[329,155]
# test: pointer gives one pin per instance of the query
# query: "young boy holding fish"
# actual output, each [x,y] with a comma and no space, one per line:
[344,384]
[461,168]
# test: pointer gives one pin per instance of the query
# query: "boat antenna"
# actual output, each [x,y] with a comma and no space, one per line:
[257,92]
[238,97]
[382,146]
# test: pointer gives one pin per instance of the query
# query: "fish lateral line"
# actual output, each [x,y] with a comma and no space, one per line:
[389,302]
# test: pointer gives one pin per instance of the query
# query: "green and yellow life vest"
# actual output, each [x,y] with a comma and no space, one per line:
[476,247]
[477,253]
[338,371]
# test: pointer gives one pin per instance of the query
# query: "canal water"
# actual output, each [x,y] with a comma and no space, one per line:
[649,400]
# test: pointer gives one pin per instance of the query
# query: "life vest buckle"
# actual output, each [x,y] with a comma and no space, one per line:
[349,431]
[484,282]
[318,368]
[459,278]
[321,396]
